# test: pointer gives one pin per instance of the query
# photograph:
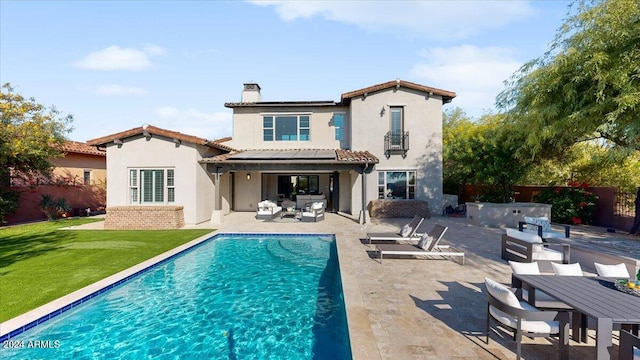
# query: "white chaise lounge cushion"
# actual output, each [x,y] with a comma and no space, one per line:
[617,271]
[567,269]
[503,294]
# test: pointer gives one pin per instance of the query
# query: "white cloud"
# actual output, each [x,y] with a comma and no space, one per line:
[431,19]
[475,74]
[117,58]
[115,89]
[194,122]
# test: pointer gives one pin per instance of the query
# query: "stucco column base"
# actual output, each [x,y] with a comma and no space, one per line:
[216,217]
[363,217]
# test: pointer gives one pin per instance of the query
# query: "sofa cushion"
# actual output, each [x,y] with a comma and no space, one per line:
[528,237]
[547,255]
[541,221]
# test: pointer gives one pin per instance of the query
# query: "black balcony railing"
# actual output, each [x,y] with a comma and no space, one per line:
[396,143]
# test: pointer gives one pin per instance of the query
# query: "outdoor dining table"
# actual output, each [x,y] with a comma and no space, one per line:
[593,297]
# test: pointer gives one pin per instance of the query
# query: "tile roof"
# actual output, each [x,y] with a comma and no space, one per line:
[341,156]
[446,95]
[361,156]
[81,148]
[161,132]
[280,104]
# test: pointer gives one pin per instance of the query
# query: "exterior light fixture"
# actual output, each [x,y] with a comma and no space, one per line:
[248,176]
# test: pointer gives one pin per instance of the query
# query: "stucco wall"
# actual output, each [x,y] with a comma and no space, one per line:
[248,134]
[194,187]
[73,166]
[423,121]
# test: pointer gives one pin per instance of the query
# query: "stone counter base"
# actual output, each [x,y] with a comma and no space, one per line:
[144,217]
[398,208]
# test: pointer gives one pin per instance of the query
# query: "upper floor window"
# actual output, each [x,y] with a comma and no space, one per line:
[151,186]
[286,128]
[396,184]
[338,123]
[397,126]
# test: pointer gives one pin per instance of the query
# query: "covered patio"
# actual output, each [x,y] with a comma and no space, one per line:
[332,176]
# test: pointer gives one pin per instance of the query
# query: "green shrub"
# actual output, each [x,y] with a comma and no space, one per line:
[54,208]
[574,204]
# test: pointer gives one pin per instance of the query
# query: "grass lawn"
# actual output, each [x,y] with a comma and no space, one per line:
[39,263]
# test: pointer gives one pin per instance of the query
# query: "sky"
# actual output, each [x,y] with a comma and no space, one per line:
[116,65]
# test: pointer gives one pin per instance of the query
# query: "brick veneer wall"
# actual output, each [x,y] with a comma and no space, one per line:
[398,208]
[144,217]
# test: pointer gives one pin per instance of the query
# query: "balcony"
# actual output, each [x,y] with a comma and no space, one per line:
[396,144]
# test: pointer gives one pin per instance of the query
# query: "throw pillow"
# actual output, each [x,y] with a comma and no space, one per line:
[405,231]
[425,242]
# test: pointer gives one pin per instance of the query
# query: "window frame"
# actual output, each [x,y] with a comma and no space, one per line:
[339,129]
[138,187]
[86,177]
[396,137]
[385,192]
[303,133]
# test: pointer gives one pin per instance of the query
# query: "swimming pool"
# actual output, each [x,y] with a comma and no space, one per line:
[232,297]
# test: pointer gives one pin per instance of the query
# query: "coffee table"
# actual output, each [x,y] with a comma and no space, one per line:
[291,212]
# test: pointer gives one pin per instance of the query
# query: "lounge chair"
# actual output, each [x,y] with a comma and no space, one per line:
[427,246]
[407,232]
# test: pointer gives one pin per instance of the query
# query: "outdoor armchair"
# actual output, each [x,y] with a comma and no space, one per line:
[629,346]
[519,317]
[314,214]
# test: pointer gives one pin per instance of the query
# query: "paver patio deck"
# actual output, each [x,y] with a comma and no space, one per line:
[421,309]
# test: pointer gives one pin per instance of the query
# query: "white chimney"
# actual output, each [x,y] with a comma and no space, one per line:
[251,93]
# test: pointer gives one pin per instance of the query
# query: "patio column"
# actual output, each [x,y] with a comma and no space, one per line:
[364,214]
[335,194]
[216,214]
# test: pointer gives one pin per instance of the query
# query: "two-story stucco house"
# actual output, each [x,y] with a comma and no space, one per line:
[354,154]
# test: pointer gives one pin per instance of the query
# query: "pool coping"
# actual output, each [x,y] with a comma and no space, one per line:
[361,338]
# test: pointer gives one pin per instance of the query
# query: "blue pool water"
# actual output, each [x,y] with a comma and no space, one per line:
[233,297]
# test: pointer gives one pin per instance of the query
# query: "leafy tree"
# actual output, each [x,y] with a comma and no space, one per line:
[586,87]
[30,134]
[481,153]
[588,163]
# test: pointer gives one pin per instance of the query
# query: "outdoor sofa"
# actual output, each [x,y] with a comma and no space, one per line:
[527,247]
[267,210]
